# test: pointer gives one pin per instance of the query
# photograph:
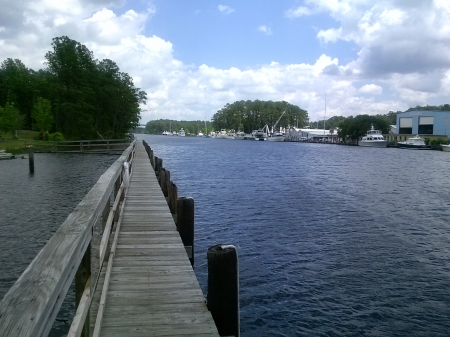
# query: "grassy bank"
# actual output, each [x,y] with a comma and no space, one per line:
[17,146]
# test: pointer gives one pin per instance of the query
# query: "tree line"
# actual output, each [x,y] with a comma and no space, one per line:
[157,127]
[250,115]
[75,94]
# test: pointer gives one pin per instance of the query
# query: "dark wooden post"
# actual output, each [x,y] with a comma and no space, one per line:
[152,160]
[31,161]
[165,181]
[185,224]
[223,289]
[174,198]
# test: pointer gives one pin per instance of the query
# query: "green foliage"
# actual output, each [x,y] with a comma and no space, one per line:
[356,127]
[46,136]
[250,115]
[57,137]
[157,127]
[76,94]
[10,118]
[442,107]
[42,115]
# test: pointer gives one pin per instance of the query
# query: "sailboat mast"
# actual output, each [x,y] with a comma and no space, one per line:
[324,116]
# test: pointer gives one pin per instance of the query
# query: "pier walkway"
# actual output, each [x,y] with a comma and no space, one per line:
[152,290]
[132,274]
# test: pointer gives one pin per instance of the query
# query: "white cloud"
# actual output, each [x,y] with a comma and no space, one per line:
[298,12]
[265,29]
[104,14]
[371,89]
[225,9]
[330,35]
[403,48]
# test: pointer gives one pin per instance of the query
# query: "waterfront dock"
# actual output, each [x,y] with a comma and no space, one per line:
[153,290]
[133,275]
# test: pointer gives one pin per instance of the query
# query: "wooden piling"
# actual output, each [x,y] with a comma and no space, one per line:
[31,161]
[223,289]
[185,224]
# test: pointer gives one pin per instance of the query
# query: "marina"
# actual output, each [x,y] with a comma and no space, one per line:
[333,261]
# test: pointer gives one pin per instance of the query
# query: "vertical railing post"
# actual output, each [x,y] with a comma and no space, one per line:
[81,277]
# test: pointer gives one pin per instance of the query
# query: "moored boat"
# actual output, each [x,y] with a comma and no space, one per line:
[181,133]
[276,137]
[222,134]
[260,134]
[445,148]
[239,135]
[6,155]
[373,138]
[414,143]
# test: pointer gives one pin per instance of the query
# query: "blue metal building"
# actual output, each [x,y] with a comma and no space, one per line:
[424,122]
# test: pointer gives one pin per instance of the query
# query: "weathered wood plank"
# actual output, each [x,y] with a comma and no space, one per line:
[152,290]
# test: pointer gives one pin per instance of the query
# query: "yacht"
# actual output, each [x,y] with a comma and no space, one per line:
[445,148]
[414,143]
[373,138]
[259,134]
[276,137]
[222,134]
[239,135]
[181,133]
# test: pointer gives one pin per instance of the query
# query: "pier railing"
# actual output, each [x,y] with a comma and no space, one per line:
[31,305]
[80,146]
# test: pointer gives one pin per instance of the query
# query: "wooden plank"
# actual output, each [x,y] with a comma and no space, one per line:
[152,290]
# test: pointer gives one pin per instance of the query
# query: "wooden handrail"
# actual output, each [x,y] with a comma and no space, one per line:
[31,305]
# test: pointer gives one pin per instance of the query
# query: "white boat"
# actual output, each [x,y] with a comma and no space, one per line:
[414,143]
[445,148]
[259,134]
[6,155]
[276,137]
[200,134]
[373,138]
[239,135]
[222,134]
[248,136]
[212,134]
[230,134]
[181,133]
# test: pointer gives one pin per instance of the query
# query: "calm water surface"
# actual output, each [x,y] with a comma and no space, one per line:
[332,240]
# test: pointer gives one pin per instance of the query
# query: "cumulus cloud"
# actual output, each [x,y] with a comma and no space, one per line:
[371,89]
[265,29]
[298,12]
[225,9]
[403,46]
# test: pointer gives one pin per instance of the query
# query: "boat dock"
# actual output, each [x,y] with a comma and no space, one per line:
[133,274]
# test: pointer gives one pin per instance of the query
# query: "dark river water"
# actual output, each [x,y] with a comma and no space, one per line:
[332,240]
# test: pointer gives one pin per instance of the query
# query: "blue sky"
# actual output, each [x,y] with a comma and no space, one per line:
[193,57]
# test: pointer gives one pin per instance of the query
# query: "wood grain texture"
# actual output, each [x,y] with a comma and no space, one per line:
[152,290]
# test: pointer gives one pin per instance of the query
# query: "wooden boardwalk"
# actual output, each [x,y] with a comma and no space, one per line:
[152,288]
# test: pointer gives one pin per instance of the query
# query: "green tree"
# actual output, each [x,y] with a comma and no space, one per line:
[42,115]
[17,86]
[10,118]
[356,127]
[251,115]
